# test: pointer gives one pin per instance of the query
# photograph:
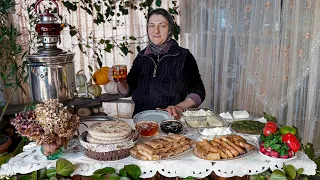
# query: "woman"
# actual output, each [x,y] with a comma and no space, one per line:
[163,75]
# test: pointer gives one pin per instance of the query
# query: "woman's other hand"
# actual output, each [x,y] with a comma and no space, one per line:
[174,111]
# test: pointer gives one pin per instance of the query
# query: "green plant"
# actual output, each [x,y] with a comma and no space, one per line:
[12,66]
[65,168]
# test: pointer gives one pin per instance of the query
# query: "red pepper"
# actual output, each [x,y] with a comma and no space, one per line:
[291,141]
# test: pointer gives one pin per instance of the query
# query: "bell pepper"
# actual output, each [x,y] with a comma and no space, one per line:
[291,141]
[288,129]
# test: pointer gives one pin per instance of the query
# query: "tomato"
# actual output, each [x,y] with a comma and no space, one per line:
[269,130]
[288,129]
[291,141]
[271,124]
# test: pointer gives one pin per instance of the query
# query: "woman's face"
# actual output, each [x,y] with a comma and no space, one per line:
[158,29]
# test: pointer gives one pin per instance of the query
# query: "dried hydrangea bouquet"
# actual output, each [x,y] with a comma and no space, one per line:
[50,125]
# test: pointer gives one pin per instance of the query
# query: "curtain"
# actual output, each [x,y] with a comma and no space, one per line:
[259,56]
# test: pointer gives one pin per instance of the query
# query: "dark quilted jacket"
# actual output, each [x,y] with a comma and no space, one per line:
[158,84]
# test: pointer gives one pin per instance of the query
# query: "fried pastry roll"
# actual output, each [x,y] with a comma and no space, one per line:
[154,144]
[134,152]
[239,149]
[150,150]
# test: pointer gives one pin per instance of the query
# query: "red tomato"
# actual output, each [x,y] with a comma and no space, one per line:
[269,130]
[271,124]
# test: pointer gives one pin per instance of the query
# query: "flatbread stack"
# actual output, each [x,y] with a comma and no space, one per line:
[162,147]
[109,132]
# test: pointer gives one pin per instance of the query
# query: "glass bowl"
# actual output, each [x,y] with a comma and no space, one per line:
[171,126]
[201,117]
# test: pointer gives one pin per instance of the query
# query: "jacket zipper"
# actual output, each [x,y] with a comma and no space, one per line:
[156,64]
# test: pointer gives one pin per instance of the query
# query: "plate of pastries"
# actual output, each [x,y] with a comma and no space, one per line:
[163,147]
[227,147]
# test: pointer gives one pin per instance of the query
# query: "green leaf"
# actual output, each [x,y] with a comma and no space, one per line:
[278,175]
[124,178]
[113,176]
[300,171]
[90,68]
[290,170]
[97,7]
[70,6]
[132,38]
[133,171]
[73,32]
[53,178]
[317,161]
[138,48]
[189,178]
[158,3]
[123,173]
[96,176]
[51,172]
[34,175]
[27,177]
[64,167]
[106,170]
[42,173]
[124,49]
[176,31]
[309,150]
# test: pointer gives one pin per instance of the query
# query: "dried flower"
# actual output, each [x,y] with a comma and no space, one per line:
[51,125]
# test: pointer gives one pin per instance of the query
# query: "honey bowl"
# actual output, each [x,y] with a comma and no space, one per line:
[147,128]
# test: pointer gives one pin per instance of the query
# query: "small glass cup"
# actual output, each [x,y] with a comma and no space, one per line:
[119,73]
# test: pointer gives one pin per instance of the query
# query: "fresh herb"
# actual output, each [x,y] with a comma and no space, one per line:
[269,117]
[274,141]
[247,126]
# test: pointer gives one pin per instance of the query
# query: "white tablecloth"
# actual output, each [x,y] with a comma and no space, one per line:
[31,159]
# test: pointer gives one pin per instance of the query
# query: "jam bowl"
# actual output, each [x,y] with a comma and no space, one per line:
[147,128]
[171,126]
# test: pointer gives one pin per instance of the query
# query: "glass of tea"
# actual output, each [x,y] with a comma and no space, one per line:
[119,73]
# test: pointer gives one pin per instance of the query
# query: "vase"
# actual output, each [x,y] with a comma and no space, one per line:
[55,155]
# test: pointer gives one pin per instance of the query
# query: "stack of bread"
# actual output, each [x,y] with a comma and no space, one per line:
[162,147]
[109,140]
[109,132]
[224,147]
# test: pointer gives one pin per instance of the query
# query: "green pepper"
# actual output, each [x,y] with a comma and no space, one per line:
[288,129]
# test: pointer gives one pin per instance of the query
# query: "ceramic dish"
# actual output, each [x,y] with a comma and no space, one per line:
[170,157]
[254,128]
[273,159]
[154,115]
[237,157]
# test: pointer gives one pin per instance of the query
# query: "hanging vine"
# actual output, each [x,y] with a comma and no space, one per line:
[105,12]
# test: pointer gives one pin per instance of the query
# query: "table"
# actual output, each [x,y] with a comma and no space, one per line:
[31,159]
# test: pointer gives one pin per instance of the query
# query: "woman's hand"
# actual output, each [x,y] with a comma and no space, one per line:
[174,111]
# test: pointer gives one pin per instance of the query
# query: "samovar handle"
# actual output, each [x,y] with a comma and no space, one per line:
[38,2]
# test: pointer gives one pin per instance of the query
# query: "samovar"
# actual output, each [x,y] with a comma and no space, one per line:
[51,70]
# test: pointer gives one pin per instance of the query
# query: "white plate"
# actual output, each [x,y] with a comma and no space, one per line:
[170,157]
[151,115]
[278,159]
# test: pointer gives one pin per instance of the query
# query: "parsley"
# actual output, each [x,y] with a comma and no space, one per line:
[274,141]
